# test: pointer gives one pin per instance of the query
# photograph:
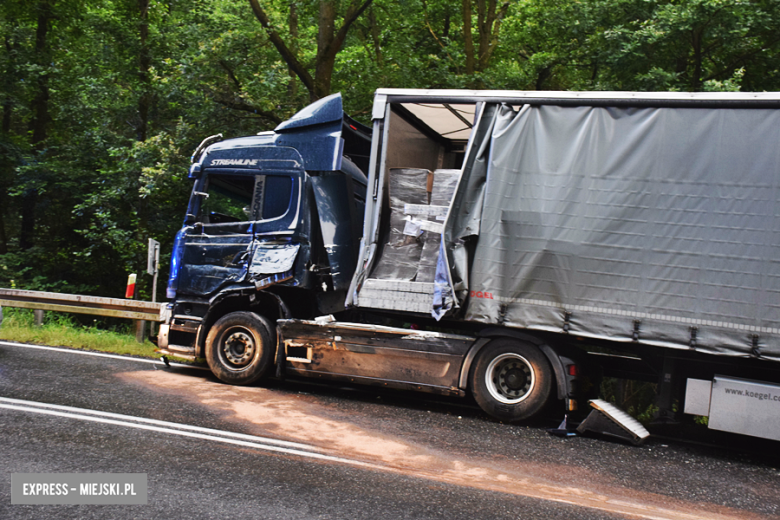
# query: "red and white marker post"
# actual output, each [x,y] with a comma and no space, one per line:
[130,291]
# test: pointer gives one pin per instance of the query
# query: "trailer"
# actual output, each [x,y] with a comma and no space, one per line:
[512,245]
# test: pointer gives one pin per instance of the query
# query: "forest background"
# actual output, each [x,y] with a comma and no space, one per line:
[103,101]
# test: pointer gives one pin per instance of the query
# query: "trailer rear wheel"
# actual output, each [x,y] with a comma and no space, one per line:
[511,380]
[239,347]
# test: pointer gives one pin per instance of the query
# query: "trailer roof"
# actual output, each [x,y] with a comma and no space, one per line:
[450,113]
[568,98]
[450,121]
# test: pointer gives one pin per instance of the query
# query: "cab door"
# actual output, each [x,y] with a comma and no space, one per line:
[243,205]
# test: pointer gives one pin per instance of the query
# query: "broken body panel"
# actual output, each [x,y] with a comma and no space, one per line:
[279,209]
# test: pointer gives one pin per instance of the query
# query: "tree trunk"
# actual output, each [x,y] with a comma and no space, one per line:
[292,22]
[284,51]
[696,73]
[323,72]
[468,40]
[375,37]
[40,104]
[542,76]
[329,42]
[489,17]
[144,64]
[7,166]
[144,104]
[491,29]
[8,109]
[3,237]
[40,120]
[6,170]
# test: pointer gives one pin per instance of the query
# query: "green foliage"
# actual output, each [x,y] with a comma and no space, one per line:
[636,398]
[130,95]
[62,330]
[695,44]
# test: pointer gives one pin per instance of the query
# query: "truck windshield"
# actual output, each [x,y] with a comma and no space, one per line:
[241,198]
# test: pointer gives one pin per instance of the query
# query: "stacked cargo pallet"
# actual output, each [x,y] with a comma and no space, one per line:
[397,295]
[402,250]
[444,182]
[404,275]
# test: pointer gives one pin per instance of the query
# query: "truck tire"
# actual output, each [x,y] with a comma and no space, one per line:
[239,347]
[511,380]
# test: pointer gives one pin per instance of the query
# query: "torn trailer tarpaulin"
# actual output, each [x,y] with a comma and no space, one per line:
[657,225]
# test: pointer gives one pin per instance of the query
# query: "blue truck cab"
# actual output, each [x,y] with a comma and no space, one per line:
[269,216]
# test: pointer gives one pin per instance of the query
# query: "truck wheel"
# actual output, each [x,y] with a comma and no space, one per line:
[239,347]
[511,380]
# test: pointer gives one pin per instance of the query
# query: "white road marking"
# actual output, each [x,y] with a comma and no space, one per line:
[237,439]
[99,354]
[156,422]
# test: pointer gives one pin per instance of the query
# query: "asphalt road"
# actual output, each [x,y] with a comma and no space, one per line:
[326,451]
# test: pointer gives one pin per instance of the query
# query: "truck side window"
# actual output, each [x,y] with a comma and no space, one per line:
[242,198]
[278,190]
[229,200]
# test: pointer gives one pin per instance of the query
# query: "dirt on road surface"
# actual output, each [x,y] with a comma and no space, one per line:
[654,482]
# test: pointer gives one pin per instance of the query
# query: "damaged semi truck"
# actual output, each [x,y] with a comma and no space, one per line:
[513,245]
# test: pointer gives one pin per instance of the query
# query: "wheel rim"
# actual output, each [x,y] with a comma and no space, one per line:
[510,378]
[237,348]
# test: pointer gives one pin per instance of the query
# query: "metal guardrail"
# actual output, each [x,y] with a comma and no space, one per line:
[80,304]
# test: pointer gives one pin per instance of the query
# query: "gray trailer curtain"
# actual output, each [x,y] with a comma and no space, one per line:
[451,282]
[657,225]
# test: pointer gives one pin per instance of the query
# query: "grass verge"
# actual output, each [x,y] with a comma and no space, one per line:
[62,330]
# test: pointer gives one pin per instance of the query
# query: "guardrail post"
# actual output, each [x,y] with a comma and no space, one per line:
[38,313]
[140,330]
